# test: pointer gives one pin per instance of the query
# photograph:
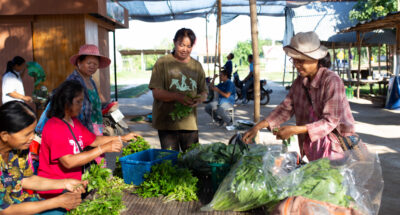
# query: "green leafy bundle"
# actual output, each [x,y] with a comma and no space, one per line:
[320,181]
[246,186]
[254,182]
[108,196]
[170,181]
[198,157]
[180,111]
[140,144]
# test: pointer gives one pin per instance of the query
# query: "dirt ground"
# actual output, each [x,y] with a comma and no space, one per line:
[379,129]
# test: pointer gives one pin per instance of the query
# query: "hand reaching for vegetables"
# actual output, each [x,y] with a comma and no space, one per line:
[285,132]
[249,135]
[68,200]
[112,146]
[74,185]
[130,136]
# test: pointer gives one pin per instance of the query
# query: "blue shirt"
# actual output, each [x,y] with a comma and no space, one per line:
[251,71]
[228,67]
[226,87]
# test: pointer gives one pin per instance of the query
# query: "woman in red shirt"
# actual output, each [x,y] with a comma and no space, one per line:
[60,156]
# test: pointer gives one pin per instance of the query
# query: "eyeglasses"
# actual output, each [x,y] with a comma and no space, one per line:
[296,61]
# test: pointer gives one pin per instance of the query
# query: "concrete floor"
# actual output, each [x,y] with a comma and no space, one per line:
[379,129]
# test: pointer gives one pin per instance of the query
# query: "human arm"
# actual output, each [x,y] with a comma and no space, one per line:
[101,140]
[70,161]
[248,76]
[41,184]
[168,96]
[16,95]
[224,94]
[67,200]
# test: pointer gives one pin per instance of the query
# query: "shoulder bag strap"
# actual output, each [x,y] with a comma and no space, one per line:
[76,141]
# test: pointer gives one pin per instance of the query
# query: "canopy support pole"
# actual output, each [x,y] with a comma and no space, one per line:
[379,58]
[369,54]
[207,59]
[219,33]
[115,69]
[359,63]
[256,73]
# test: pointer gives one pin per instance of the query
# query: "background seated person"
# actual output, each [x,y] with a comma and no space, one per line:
[248,81]
[226,99]
[16,134]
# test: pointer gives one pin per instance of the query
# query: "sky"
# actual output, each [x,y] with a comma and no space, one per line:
[147,35]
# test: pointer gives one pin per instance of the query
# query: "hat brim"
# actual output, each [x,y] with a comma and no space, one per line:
[315,55]
[103,61]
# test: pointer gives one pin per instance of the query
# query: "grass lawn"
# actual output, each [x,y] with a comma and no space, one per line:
[131,92]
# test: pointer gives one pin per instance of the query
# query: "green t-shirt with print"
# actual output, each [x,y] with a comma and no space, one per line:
[172,75]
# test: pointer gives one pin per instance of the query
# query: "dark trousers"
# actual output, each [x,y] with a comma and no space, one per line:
[177,140]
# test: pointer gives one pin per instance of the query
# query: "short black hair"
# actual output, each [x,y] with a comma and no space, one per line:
[250,56]
[16,116]
[225,72]
[63,97]
[185,32]
[232,55]
[325,61]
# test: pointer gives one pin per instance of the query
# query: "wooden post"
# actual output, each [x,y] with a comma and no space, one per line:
[397,66]
[379,58]
[207,59]
[216,50]
[219,32]
[349,62]
[369,54]
[256,73]
[359,63]
[387,58]
[334,58]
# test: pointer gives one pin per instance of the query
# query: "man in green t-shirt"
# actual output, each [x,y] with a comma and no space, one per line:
[177,79]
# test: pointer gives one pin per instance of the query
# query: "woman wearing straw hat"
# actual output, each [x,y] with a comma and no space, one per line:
[87,62]
[317,99]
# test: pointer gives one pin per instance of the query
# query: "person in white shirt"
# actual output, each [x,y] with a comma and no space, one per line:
[13,88]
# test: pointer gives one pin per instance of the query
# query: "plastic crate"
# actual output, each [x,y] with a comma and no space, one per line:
[134,166]
[218,173]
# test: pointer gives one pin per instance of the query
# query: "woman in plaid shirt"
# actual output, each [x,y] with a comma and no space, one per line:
[317,99]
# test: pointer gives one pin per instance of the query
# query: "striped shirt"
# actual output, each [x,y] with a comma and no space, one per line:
[329,103]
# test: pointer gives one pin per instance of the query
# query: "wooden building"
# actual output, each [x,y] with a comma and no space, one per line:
[50,32]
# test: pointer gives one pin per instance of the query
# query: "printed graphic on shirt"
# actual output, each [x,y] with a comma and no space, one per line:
[73,144]
[182,86]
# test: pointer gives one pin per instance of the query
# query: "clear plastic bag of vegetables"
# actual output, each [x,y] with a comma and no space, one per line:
[255,180]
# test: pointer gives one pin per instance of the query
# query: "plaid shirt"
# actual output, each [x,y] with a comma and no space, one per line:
[329,102]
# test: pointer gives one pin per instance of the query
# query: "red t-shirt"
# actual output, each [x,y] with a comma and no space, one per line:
[57,141]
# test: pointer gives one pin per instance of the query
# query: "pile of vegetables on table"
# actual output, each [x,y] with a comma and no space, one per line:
[170,181]
[105,193]
[264,176]
[135,145]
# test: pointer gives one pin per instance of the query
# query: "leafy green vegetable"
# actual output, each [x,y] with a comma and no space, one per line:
[198,157]
[323,182]
[254,181]
[107,197]
[140,144]
[170,181]
[182,111]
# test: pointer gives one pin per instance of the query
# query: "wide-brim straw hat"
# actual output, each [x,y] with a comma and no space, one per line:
[91,50]
[306,46]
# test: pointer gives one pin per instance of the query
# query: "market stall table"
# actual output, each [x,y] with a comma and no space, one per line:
[155,206]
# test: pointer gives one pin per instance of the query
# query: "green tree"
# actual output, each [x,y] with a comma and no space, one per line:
[370,9]
[243,49]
